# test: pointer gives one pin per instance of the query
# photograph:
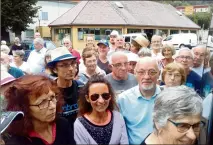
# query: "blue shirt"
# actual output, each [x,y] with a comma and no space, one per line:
[194,81]
[137,112]
[207,83]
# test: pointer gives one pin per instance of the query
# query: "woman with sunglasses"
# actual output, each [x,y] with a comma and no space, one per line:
[177,117]
[39,99]
[98,121]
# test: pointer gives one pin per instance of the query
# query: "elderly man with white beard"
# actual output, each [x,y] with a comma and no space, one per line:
[136,104]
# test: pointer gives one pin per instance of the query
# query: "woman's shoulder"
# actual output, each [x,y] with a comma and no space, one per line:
[10,139]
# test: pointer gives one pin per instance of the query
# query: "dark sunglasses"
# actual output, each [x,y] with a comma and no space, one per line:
[105,96]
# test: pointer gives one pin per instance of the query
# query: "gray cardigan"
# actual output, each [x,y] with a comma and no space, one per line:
[119,134]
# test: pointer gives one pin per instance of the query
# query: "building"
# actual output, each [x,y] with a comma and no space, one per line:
[49,11]
[99,18]
[189,10]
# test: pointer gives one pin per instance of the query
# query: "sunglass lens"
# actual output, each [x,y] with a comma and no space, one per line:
[105,96]
[94,97]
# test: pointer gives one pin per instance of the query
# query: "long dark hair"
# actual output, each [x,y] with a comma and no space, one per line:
[84,106]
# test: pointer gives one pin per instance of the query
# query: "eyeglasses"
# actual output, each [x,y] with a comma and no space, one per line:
[155,42]
[66,65]
[119,65]
[185,57]
[46,103]
[183,127]
[105,96]
[199,54]
[169,74]
[151,73]
[66,43]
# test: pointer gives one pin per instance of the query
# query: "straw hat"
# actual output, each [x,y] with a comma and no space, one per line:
[59,54]
[141,40]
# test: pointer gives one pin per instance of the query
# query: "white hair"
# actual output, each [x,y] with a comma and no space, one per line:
[39,40]
[5,49]
[116,53]
[144,52]
[3,42]
[185,49]
[174,102]
[66,39]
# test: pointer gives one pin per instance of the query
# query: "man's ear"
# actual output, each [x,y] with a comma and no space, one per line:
[158,128]
[110,67]
[55,71]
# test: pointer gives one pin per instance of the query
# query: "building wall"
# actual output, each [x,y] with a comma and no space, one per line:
[54,9]
[80,44]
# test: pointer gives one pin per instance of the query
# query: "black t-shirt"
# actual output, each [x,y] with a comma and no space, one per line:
[15,47]
[70,107]
[104,66]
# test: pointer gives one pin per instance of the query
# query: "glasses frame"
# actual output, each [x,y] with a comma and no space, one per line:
[101,96]
[191,126]
[149,71]
[38,105]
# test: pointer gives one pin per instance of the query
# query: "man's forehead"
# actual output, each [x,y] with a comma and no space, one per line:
[66,61]
[199,49]
[185,52]
[119,58]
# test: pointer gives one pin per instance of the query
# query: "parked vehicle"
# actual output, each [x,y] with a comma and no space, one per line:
[130,36]
[27,46]
[182,40]
[210,43]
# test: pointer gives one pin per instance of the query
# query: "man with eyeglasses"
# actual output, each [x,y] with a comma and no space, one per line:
[193,80]
[136,104]
[120,79]
[68,44]
[64,65]
[199,56]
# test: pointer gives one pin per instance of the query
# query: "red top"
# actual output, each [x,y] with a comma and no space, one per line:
[76,54]
[35,134]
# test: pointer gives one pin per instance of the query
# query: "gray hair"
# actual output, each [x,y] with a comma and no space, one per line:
[144,52]
[16,40]
[20,53]
[170,46]
[176,102]
[66,39]
[199,46]
[39,40]
[185,49]
[5,49]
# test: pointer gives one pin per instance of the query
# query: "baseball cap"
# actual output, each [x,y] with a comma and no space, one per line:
[103,42]
[8,117]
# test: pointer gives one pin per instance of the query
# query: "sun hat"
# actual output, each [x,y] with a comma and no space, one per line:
[141,40]
[5,76]
[8,117]
[132,57]
[103,42]
[59,54]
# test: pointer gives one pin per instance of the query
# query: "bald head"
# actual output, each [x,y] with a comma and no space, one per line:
[116,55]
[147,60]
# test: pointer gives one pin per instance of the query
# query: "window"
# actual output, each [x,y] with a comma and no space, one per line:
[193,31]
[168,38]
[44,16]
[29,33]
[184,31]
[173,31]
[133,31]
[62,32]
[100,33]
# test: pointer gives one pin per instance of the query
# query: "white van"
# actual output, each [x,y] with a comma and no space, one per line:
[182,40]
[128,37]
[210,43]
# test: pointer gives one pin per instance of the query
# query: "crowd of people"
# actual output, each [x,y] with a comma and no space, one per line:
[143,92]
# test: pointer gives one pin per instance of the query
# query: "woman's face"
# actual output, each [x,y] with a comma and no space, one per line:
[91,63]
[172,78]
[99,97]
[17,58]
[167,53]
[45,110]
[170,134]
[127,46]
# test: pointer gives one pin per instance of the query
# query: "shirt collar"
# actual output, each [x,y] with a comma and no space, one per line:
[138,93]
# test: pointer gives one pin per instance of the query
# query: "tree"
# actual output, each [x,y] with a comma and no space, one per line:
[202,19]
[16,15]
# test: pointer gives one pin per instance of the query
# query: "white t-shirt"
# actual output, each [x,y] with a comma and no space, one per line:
[36,60]
[24,67]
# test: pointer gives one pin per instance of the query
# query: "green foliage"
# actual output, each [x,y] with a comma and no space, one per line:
[202,19]
[16,15]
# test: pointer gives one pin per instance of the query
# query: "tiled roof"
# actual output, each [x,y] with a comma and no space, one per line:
[133,13]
